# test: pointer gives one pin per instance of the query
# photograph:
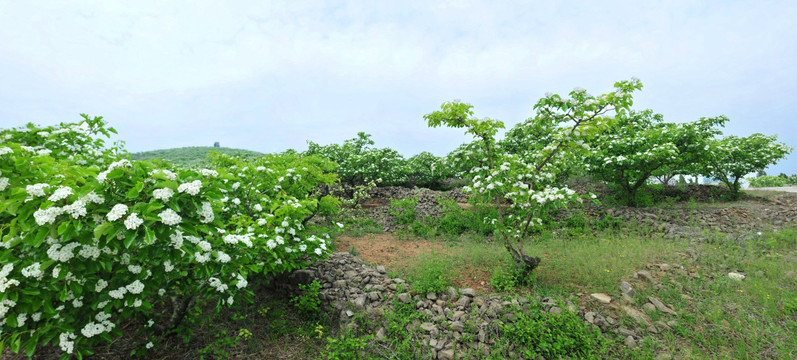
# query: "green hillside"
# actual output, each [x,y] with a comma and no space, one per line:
[192,156]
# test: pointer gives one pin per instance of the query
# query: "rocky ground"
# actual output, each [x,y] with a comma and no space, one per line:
[462,321]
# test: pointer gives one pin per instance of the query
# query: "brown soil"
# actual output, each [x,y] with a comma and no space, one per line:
[397,255]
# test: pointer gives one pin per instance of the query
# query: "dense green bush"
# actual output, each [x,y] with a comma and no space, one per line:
[359,162]
[768,181]
[554,336]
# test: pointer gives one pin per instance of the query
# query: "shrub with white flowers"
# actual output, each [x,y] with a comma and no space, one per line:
[526,181]
[89,239]
[359,162]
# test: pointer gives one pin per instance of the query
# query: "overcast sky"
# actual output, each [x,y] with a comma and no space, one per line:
[269,75]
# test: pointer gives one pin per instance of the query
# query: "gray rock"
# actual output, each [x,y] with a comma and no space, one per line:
[630,342]
[359,302]
[447,354]
[602,297]
[637,315]
[590,317]
[555,310]
[649,308]
[428,327]
[381,334]
[457,326]
[659,305]
[467,292]
[381,269]
[404,297]
[451,292]
[464,301]
[626,288]
[431,296]
[645,275]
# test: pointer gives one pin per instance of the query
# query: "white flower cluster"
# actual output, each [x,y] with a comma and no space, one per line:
[5,283]
[163,194]
[169,217]
[117,212]
[6,150]
[167,265]
[5,306]
[34,270]
[114,165]
[191,188]
[96,328]
[206,213]
[133,221]
[36,190]
[258,207]
[177,239]
[101,284]
[241,282]
[3,183]
[208,172]
[66,342]
[62,253]
[118,293]
[201,258]
[169,175]
[217,284]
[88,251]
[61,193]
[234,239]
[223,257]
[136,287]
[48,215]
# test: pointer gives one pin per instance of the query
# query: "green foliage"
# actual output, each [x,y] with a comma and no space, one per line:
[90,239]
[768,181]
[510,278]
[359,162]
[433,276]
[308,303]
[554,336]
[732,157]
[193,156]
[456,220]
[528,181]
[428,171]
[638,145]
[404,209]
[347,347]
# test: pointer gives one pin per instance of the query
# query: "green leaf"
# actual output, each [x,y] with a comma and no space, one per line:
[102,230]
[40,235]
[130,237]
[115,174]
[149,236]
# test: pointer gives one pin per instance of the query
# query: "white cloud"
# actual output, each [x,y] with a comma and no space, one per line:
[330,69]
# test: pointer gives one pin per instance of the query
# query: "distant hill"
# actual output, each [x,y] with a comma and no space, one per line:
[194,156]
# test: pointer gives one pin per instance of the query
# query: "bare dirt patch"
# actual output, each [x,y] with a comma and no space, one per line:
[398,255]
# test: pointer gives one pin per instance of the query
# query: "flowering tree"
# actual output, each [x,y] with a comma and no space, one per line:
[637,145]
[427,170]
[527,182]
[731,158]
[359,162]
[89,239]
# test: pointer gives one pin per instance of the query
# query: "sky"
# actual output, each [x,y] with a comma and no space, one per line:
[271,75]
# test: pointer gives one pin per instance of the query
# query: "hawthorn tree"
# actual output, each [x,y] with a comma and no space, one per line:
[731,158]
[523,188]
[637,145]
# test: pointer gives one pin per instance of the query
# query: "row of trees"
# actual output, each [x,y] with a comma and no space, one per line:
[625,149]
[360,162]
